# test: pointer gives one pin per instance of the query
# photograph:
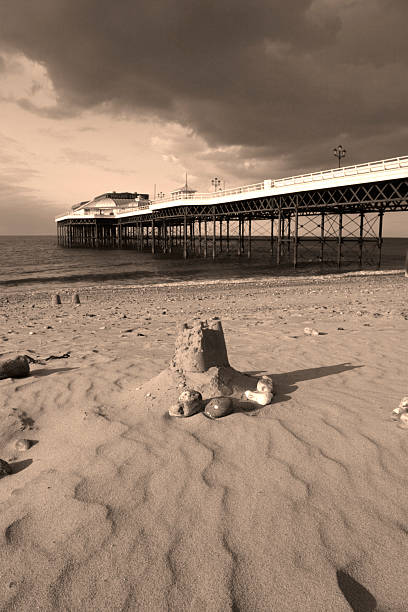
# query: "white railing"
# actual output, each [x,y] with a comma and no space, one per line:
[323,175]
[384,165]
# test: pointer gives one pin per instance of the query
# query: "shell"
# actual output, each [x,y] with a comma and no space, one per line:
[404,404]
[265,383]
[22,444]
[261,398]
[5,468]
[218,407]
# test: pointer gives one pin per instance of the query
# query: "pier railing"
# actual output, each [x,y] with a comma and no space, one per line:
[370,168]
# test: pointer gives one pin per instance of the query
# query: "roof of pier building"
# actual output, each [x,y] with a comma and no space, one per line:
[112,200]
[183,190]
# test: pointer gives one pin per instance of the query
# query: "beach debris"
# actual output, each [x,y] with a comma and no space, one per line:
[264,393]
[75,299]
[22,445]
[56,299]
[42,361]
[189,402]
[309,331]
[200,346]
[401,409]
[18,367]
[5,468]
[218,407]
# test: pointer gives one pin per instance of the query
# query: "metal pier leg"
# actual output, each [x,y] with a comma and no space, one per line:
[271,245]
[288,235]
[340,240]
[220,235]
[279,249]
[322,238]
[239,235]
[185,236]
[153,238]
[228,237]
[360,241]
[205,237]
[380,238]
[249,237]
[213,237]
[295,246]
[199,237]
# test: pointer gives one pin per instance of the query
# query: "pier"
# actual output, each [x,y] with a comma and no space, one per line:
[332,216]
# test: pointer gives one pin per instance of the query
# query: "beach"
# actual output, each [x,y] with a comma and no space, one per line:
[301,505]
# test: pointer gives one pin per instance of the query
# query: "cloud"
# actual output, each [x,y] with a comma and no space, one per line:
[281,80]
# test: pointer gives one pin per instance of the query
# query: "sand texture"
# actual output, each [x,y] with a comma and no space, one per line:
[301,505]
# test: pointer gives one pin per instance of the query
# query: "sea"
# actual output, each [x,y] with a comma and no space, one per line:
[36,262]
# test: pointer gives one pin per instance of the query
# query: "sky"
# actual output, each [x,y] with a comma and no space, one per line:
[97,96]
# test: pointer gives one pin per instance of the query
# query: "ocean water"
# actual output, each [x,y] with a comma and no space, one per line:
[36,262]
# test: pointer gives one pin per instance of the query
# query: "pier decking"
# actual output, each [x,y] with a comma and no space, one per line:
[321,216]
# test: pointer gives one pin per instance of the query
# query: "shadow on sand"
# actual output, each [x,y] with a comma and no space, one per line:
[285,384]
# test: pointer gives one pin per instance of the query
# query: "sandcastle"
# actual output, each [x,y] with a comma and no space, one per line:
[200,346]
[207,382]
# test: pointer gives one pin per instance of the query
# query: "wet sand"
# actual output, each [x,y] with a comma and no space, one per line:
[116,506]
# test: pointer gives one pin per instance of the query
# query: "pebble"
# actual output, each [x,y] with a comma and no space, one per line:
[308,331]
[218,407]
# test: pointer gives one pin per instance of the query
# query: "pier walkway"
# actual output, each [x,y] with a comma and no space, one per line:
[327,216]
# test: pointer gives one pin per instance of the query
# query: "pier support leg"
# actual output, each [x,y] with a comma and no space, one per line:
[271,242]
[380,238]
[228,236]
[185,236]
[153,238]
[213,237]
[295,245]
[199,237]
[340,240]
[249,237]
[361,240]
[322,238]
[205,237]
[220,235]
[279,249]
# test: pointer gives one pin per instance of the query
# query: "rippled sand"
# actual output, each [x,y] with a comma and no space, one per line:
[116,506]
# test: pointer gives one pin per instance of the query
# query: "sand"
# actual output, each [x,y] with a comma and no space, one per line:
[301,505]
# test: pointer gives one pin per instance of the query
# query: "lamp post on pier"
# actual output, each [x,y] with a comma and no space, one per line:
[339,152]
[216,182]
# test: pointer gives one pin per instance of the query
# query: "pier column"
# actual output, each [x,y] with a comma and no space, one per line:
[199,237]
[295,246]
[213,236]
[279,249]
[153,237]
[322,237]
[340,240]
[220,235]
[380,238]
[185,235]
[205,237]
[361,240]
[271,242]
[249,237]
[228,235]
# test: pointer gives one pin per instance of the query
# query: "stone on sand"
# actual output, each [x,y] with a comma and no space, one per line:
[218,407]
[189,402]
[56,299]
[18,367]
[75,299]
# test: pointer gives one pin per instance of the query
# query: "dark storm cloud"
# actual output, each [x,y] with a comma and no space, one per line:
[289,78]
